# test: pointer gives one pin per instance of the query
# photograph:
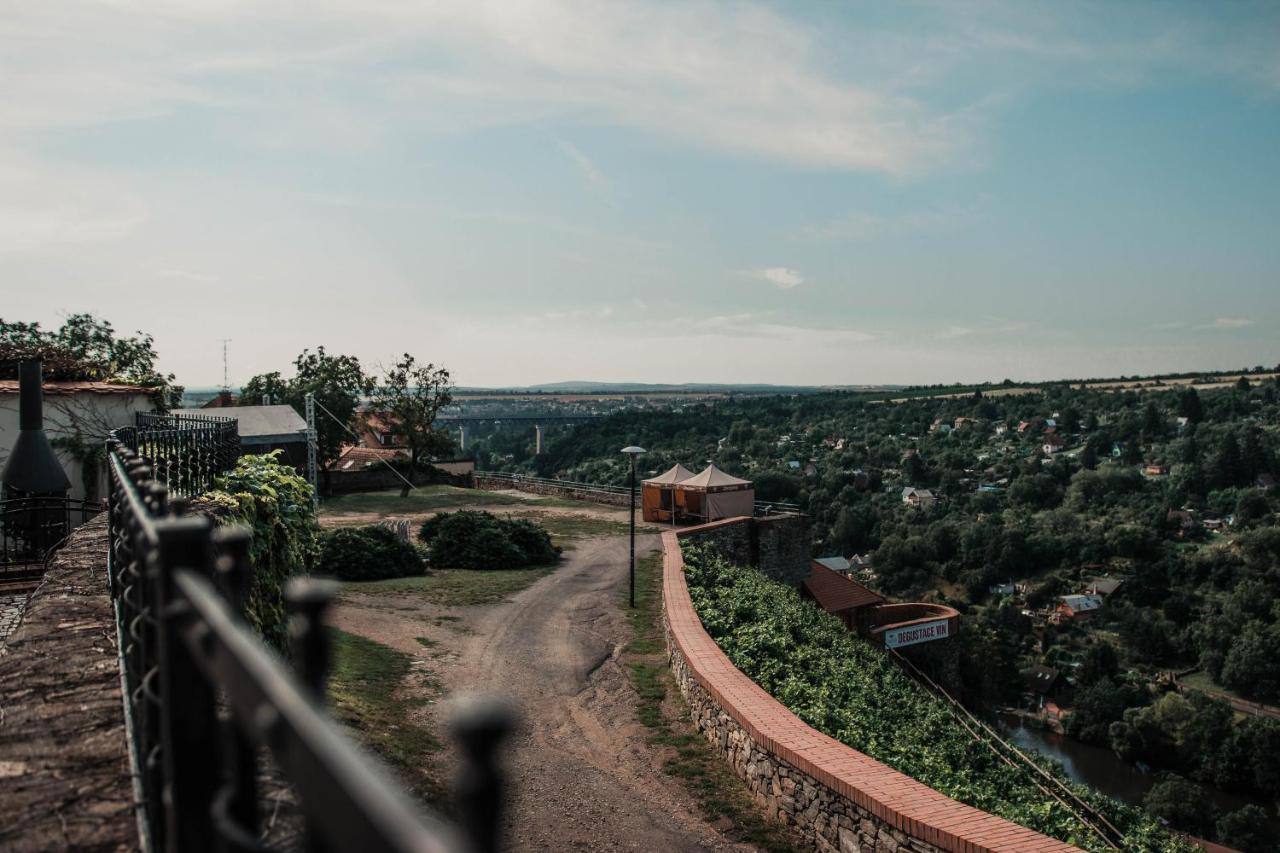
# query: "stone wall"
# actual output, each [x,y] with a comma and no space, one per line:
[65,781]
[778,545]
[834,797]
[535,488]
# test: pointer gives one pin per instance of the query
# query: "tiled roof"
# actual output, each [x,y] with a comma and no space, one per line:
[355,458]
[834,592]
[51,389]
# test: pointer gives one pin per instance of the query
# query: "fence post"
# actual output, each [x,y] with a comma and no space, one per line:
[237,803]
[479,725]
[188,713]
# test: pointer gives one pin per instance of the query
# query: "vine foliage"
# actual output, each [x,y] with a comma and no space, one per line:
[275,503]
[841,686]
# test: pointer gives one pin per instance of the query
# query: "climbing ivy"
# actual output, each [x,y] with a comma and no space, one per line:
[276,505]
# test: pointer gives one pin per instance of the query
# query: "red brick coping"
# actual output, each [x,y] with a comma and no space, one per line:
[905,804]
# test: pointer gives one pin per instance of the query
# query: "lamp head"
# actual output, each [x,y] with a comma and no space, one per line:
[633,451]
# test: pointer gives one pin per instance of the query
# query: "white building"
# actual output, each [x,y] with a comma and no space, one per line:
[76,413]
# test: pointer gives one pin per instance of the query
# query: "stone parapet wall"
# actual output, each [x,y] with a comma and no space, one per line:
[65,781]
[836,798]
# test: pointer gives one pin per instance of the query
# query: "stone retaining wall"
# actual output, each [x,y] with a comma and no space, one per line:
[836,798]
[778,545]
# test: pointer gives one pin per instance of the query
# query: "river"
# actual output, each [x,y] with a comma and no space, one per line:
[1103,770]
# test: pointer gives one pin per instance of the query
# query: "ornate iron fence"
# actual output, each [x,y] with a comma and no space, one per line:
[32,527]
[179,585]
[185,451]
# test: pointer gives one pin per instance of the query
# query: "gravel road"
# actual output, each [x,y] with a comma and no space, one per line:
[582,774]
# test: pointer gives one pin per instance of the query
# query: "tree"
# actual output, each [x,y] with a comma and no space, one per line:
[1189,406]
[86,348]
[1089,457]
[1228,470]
[336,381]
[1152,423]
[1252,666]
[1183,804]
[1246,829]
[410,396]
[1100,661]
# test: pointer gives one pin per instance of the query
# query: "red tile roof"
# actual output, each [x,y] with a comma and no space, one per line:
[835,593]
[355,458]
[10,386]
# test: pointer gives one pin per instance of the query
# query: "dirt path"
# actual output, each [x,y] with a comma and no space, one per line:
[582,775]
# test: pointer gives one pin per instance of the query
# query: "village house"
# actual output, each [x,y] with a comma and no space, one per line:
[1003,588]
[1077,606]
[1053,443]
[1023,426]
[918,498]
[1001,429]
[1156,470]
[76,414]
[1104,587]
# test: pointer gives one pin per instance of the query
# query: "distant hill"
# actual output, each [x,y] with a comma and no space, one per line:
[585,387]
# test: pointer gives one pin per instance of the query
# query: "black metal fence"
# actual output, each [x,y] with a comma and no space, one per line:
[179,585]
[185,452]
[31,527]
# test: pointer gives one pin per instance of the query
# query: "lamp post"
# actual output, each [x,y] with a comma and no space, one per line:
[633,452]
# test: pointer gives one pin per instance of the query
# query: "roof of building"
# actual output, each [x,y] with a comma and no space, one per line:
[835,564]
[712,477]
[354,458]
[1082,603]
[675,474]
[835,593]
[1105,586]
[262,424]
[54,388]
[1041,678]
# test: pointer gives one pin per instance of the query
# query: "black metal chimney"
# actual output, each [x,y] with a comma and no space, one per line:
[32,469]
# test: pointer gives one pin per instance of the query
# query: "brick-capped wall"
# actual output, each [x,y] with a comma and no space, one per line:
[835,797]
[778,545]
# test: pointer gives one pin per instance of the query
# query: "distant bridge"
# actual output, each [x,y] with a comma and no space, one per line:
[533,419]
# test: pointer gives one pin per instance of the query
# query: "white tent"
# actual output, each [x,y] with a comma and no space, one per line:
[657,498]
[712,494]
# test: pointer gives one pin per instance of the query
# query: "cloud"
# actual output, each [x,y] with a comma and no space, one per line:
[863,225]
[1228,323]
[956,332]
[593,176]
[784,277]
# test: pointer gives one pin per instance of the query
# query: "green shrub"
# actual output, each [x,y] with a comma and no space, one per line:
[480,540]
[368,554]
[845,688]
[276,505]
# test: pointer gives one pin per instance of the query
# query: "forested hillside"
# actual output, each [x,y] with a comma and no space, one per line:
[1166,489]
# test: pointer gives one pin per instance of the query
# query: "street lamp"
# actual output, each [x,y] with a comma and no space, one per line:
[633,452]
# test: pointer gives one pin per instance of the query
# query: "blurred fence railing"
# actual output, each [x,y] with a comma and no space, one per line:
[203,695]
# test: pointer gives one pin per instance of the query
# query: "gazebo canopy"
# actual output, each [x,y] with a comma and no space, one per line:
[712,479]
[677,473]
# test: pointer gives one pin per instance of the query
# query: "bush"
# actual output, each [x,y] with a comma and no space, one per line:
[480,540]
[368,554]
[276,505]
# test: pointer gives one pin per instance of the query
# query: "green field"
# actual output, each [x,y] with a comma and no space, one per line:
[367,693]
[424,499]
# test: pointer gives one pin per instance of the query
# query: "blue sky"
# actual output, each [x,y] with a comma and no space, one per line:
[527,192]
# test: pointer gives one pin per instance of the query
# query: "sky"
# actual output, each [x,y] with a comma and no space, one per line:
[525,192]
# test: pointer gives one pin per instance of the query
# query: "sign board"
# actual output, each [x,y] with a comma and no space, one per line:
[912,634]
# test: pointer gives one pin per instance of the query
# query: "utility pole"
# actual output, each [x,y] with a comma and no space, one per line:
[226,374]
[311,449]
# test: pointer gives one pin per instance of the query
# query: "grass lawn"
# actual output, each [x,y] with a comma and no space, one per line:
[421,500]
[705,775]
[457,587]
[367,693]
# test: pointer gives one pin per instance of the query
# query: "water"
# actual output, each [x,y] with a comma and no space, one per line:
[1103,770]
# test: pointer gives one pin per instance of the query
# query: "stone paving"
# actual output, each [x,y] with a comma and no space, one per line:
[11,606]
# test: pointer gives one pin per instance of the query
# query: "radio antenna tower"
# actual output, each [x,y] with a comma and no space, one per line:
[226,382]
